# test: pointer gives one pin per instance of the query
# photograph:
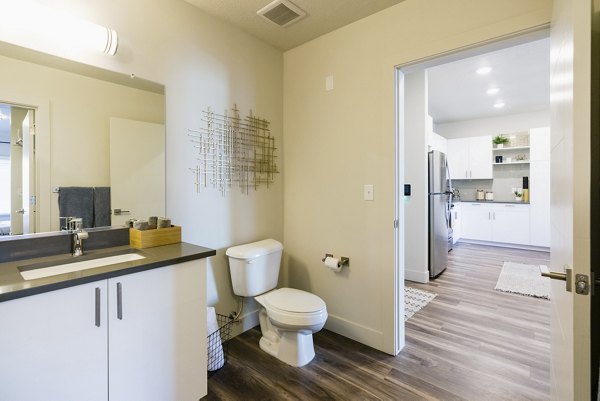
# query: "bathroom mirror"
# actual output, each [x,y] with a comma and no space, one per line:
[67,124]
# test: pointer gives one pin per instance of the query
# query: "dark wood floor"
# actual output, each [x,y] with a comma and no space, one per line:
[470,343]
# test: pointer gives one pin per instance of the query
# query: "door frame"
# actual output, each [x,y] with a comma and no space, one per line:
[501,42]
[43,192]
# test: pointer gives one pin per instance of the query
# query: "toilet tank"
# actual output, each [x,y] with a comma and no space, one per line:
[254,267]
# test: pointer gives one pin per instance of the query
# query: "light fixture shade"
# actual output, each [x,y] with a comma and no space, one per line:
[42,28]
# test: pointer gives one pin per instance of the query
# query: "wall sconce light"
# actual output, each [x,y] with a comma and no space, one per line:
[38,27]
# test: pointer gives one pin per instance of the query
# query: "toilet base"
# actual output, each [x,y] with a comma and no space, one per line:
[294,348]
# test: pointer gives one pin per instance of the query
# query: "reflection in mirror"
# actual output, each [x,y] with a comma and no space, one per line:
[64,124]
[16,183]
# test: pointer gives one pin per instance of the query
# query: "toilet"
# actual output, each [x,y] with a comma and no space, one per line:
[288,317]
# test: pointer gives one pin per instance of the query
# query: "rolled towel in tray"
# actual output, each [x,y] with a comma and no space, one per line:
[216,359]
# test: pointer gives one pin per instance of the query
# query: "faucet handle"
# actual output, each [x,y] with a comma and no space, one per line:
[65,223]
[76,224]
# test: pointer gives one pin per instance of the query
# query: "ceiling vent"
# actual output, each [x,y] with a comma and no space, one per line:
[283,13]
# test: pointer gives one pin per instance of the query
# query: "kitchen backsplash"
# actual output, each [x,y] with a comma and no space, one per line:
[505,178]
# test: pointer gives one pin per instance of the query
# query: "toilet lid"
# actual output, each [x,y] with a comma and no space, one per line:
[292,300]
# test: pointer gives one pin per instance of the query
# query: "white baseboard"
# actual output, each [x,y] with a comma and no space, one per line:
[355,331]
[418,276]
[505,245]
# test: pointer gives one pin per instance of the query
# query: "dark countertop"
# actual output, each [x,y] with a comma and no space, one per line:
[13,285]
[494,201]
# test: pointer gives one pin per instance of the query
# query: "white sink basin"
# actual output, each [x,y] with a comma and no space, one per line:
[35,273]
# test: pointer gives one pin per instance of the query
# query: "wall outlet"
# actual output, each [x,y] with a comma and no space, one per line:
[368,192]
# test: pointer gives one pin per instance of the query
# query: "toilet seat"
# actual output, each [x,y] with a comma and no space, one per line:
[291,307]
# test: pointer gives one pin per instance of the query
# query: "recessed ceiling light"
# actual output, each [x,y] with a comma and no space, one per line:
[483,70]
[492,91]
[499,105]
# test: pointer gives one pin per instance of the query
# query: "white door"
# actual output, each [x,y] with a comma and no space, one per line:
[157,335]
[570,195]
[137,169]
[53,348]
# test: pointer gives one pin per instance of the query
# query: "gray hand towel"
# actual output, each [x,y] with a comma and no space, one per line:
[101,206]
[77,202]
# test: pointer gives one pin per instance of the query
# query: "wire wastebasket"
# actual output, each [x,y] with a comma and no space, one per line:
[217,344]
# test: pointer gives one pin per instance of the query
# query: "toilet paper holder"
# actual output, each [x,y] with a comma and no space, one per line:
[344,261]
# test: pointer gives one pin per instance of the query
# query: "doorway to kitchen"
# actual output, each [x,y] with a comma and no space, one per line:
[17,169]
[489,234]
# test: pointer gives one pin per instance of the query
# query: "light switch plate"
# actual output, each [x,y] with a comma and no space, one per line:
[329,83]
[368,192]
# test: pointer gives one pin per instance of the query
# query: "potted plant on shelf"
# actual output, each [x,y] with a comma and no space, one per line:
[518,194]
[500,141]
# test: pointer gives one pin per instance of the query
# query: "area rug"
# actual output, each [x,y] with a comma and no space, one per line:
[415,300]
[518,278]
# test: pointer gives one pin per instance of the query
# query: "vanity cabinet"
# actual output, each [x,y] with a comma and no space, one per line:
[497,222]
[470,158]
[140,336]
[51,347]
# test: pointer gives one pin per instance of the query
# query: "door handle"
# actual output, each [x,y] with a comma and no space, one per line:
[22,211]
[120,212]
[567,276]
[119,301]
[97,317]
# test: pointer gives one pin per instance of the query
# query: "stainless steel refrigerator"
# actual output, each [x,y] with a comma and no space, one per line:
[440,199]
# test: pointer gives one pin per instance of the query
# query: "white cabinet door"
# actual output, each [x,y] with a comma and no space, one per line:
[510,223]
[157,336]
[456,222]
[476,221]
[480,158]
[539,198]
[539,144]
[51,347]
[458,158]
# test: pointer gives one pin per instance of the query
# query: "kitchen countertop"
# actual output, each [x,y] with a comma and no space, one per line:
[13,285]
[494,201]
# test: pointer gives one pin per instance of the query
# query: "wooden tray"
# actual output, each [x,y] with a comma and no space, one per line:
[157,237]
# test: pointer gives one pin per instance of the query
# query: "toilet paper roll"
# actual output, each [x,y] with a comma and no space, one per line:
[332,263]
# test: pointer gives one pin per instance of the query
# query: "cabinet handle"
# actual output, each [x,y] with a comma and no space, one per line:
[494,215]
[97,317]
[455,215]
[489,215]
[119,301]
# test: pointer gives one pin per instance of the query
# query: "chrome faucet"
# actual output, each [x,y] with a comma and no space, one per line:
[75,227]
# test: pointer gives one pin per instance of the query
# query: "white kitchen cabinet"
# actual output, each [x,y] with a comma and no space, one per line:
[539,144]
[158,341]
[52,347]
[496,222]
[476,221]
[470,158]
[150,343]
[539,186]
[510,223]
[539,198]
[456,217]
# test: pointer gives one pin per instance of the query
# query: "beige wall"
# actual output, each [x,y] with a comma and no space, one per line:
[78,132]
[339,140]
[202,62]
